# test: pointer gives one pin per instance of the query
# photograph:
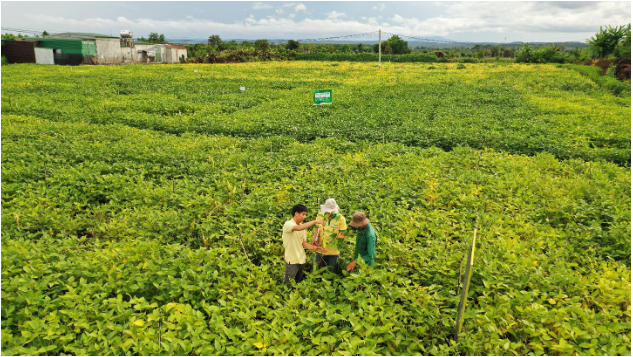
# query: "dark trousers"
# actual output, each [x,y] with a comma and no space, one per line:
[329,260]
[293,271]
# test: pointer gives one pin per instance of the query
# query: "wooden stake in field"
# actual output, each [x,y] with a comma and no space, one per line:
[240,238]
[467,275]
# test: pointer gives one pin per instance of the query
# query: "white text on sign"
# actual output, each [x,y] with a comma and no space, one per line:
[322,95]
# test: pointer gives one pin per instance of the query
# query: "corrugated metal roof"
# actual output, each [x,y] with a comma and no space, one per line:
[173,46]
[81,35]
[143,43]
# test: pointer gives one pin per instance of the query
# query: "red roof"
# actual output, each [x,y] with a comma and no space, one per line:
[172,46]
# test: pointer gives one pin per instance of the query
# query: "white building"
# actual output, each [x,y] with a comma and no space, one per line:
[103,49]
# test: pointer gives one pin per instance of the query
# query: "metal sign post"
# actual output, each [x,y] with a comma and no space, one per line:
[379,49]
[322,97]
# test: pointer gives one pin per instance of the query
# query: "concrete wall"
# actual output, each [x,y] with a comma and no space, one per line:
[132,55]
[109,50]
[141,57]
[172,55]
[181,53]
[169,54]
[127,55]
[44,56]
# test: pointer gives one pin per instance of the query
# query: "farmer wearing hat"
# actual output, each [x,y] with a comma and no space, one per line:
[330,234]
[365,240]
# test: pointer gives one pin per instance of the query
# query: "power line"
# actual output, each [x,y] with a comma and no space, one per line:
[20,30]
[434,40]
[338,37]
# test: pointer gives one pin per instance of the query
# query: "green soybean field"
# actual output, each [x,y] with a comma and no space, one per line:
[143,205]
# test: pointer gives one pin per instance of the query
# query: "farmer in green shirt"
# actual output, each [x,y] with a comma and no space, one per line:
[365,240]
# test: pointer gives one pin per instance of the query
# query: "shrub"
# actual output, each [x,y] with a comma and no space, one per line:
[5,61]
[623,69]
[603,64]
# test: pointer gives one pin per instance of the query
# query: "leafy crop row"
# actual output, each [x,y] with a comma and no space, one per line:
[521,109]
[117,240]
[607,80]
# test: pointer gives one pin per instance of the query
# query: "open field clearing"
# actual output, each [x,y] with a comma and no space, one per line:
[142,209]
[521,109]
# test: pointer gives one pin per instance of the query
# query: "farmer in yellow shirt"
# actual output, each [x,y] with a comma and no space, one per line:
[295,243]
[330,234]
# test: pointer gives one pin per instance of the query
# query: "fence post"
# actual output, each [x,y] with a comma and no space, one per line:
[379,49]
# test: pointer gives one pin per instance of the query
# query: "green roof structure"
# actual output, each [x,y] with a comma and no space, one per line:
[67,45]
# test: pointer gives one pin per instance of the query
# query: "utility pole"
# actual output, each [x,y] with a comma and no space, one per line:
[379,49]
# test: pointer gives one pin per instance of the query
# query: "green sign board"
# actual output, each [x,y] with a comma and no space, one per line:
[322,97]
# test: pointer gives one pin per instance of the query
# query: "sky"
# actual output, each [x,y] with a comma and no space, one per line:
[473,21]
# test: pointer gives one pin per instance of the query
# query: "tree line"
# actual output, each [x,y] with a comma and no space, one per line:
[612,42]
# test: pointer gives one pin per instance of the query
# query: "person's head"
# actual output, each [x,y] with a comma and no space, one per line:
[359,220]
[330,206]
[299,213]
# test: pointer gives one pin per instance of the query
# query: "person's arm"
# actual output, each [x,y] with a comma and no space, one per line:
[352,265]
[300,227]
[312,247]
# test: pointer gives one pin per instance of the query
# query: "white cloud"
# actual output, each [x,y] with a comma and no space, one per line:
[335,15]
[300,7]
[279,11]
[261,6]
[397,19]
[534,16]
[539,20]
